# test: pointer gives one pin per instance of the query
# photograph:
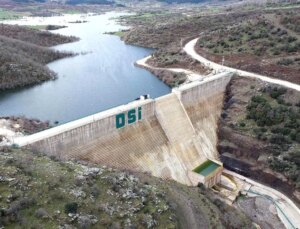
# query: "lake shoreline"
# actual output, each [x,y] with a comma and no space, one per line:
[107,62]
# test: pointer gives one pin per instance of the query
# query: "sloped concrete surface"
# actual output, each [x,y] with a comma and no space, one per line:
[175,134]
[173,119]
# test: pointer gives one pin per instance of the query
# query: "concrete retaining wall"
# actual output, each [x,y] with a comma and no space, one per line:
[144,144]
[77,133]
[196,92]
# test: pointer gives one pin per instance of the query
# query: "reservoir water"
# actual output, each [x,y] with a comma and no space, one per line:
[102,76]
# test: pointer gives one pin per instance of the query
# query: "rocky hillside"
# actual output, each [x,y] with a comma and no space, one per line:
[259,134]
[37,192]
[33,36]
[24,54]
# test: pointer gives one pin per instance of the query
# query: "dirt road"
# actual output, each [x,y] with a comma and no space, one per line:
[189,48]
[287,210]
[191,76]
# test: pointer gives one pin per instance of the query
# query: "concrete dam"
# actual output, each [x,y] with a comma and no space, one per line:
[169,136]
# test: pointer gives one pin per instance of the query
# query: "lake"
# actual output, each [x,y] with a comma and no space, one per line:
[102,76]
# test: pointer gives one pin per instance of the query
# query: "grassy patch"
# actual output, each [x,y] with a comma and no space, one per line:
[69,11]
[38,191]
[9,15]
[38,27]
[119,33]
[291,20]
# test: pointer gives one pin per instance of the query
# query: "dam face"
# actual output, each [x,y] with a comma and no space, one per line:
[168,137]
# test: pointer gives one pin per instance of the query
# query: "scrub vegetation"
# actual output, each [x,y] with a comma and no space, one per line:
[259,133]
[277,123]
[267,44]
[257,37]
[172,79]
[41,38]
[291,20]
[39,192]
[264,40]
[24,54]
[8,14]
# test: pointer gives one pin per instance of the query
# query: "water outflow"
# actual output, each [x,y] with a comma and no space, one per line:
[175,134]
[101,77]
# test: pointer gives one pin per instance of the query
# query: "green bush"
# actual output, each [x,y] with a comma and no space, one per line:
[279,130]
[285,62]
[297,137]
[291,39]
[263,129]
[279,139]
[263,114]
[293,135]
[295,157]
[291,123]
[275,51]
[276,92]
[242,124]
[279,165]
[71,208]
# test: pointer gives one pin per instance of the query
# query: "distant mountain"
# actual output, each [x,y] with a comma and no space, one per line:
[100,2]
[27,1]
[205,1]
[111,2]
[71,2]
[183,1]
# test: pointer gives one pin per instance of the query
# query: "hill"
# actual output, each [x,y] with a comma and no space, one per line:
[37,192]
[186,1]
[259,133]
[33,36]
[112,2]
[99,2]
[24,54]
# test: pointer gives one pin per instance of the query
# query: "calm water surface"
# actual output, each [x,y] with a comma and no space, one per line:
[102,78]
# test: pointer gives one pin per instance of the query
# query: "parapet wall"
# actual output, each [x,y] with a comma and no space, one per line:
[83,130]
[167,136]
[197,92]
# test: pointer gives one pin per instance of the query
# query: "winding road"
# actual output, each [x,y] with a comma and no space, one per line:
[189,48]
[191,76]
[288,212]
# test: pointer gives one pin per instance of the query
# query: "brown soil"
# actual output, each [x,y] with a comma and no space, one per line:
[260,65]
[28,126]
[241,152]
[177,29]
[172,79]
[184,62]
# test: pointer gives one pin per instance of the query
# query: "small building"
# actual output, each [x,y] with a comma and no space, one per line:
[208,173]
